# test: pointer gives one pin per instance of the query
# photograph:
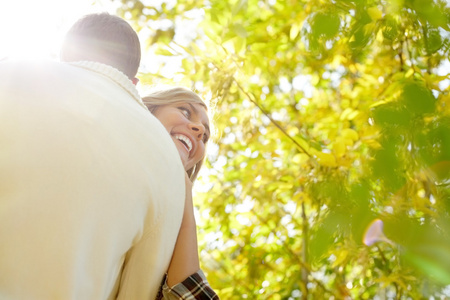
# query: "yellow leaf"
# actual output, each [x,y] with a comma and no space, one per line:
[409,73]
[326,159]
[162,51]
[369,28]
[239,45]
[374,13]
[373,144]
[229,46]
[315,79]
[295,29]
[284,186]
[350,134]
[341,258]
[353,115]
[347,141]
[349,114]
[345,113]
[345,161]
[380,36]
[378,103]
[239,30]
[339,147]
[314,151]
[300,158]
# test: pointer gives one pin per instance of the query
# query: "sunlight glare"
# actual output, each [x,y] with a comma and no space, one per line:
[34,29]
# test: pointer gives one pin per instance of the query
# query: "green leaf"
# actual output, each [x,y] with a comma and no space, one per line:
[239,30]
[325,25]
[418,99]
[163,51]
[391,114]
[390,28]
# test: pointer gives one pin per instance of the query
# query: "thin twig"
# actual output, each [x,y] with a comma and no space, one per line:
[300,147]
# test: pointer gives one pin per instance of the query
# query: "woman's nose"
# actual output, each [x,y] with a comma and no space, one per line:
[197,129]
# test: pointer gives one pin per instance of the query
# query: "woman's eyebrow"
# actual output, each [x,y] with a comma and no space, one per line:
[195,110]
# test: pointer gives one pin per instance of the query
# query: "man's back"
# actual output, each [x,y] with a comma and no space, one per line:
[89,185]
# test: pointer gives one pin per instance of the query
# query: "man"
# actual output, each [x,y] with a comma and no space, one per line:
[91,185]
[105,39]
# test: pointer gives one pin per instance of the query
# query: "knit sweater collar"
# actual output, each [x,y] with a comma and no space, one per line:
[114,74]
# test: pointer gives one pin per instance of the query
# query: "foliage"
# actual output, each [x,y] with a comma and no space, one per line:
[329,114]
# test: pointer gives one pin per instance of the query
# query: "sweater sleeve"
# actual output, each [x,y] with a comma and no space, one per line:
[194,287]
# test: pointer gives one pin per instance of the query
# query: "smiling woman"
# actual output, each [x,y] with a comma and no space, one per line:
[185,117]
[184,114]
[187,124]
[34,29]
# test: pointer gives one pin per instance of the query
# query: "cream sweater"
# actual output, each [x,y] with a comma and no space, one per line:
[91,185]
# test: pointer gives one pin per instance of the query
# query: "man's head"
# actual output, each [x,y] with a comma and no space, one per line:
[106,39]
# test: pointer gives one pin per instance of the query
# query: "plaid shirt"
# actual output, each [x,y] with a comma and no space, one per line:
[192,288]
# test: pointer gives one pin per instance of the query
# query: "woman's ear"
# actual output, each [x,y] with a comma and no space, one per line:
[135,80]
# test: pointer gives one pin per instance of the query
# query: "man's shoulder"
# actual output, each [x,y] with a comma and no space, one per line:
[35,69]
[47,74]
[32,76]
[28,65]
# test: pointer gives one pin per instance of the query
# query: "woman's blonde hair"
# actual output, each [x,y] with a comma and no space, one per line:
[173,95]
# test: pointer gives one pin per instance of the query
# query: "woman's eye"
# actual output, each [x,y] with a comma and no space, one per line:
[186,112]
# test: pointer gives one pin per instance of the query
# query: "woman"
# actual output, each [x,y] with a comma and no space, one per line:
[184,115]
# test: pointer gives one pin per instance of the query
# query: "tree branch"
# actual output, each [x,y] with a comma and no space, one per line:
[300,147]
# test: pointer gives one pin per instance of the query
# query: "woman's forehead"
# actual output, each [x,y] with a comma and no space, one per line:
[196,107]
[193,103]
[200,109]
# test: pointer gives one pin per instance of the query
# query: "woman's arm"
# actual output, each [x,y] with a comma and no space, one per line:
[185,260]
[184,278]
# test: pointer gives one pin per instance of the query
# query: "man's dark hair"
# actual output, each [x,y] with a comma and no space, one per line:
[103,38]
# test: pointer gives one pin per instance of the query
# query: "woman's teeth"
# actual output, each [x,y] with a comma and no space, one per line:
[186,141]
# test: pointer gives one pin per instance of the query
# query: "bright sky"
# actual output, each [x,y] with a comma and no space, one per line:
[35,28]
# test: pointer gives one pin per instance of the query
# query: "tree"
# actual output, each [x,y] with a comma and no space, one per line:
[330,115]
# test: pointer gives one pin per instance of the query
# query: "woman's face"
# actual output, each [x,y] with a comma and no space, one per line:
[188,125]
